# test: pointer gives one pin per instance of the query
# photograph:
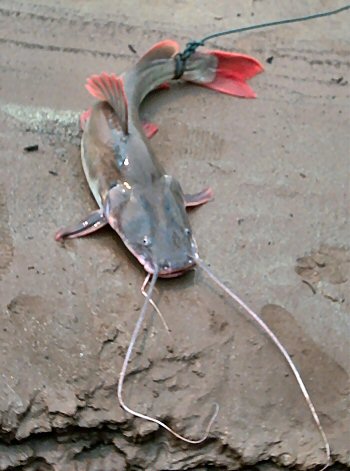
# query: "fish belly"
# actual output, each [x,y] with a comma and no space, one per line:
[93,182]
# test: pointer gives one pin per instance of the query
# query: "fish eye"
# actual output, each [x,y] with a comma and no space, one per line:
[146,241]
[187,231]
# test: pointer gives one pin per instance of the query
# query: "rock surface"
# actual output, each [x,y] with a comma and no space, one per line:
[277,232]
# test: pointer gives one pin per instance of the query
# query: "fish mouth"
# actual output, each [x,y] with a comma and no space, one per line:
[161,272]
[168,273]
[175,273]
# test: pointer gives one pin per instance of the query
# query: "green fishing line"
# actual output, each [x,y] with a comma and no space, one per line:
[193,45]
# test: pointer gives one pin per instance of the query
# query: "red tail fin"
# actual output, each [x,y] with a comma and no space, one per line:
[232,71]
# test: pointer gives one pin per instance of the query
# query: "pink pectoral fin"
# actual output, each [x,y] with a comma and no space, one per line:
[86,226]
[200,198]
[150,129]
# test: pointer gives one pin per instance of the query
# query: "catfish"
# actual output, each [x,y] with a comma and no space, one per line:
[144,205]
[135,195]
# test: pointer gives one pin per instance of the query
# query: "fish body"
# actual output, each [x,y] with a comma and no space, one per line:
[142,203]
[135,195]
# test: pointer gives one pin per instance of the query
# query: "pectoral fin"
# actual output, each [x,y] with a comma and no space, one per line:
[86,226]
[199,198]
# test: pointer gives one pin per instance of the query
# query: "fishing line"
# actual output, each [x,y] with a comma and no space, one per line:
[191,46]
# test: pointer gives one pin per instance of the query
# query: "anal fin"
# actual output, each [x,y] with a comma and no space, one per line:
[150,129]
[163,86]
[162,50]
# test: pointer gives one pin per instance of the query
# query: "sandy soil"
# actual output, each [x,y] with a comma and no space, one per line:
[277,233]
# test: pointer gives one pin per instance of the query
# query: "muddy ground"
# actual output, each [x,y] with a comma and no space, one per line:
[277,233]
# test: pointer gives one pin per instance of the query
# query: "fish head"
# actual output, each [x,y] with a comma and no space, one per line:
[154,226]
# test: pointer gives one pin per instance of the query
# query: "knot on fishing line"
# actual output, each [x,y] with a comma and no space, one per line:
[182,57]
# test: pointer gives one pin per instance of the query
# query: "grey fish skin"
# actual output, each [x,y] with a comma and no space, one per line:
[135,195]
[139,200]
[143,204]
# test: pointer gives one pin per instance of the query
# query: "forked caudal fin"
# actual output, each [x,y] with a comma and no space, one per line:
[229,72]
[110,88]
[281,348]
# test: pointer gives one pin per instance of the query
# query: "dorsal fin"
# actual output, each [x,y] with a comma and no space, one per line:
[162,50]
[110,88]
